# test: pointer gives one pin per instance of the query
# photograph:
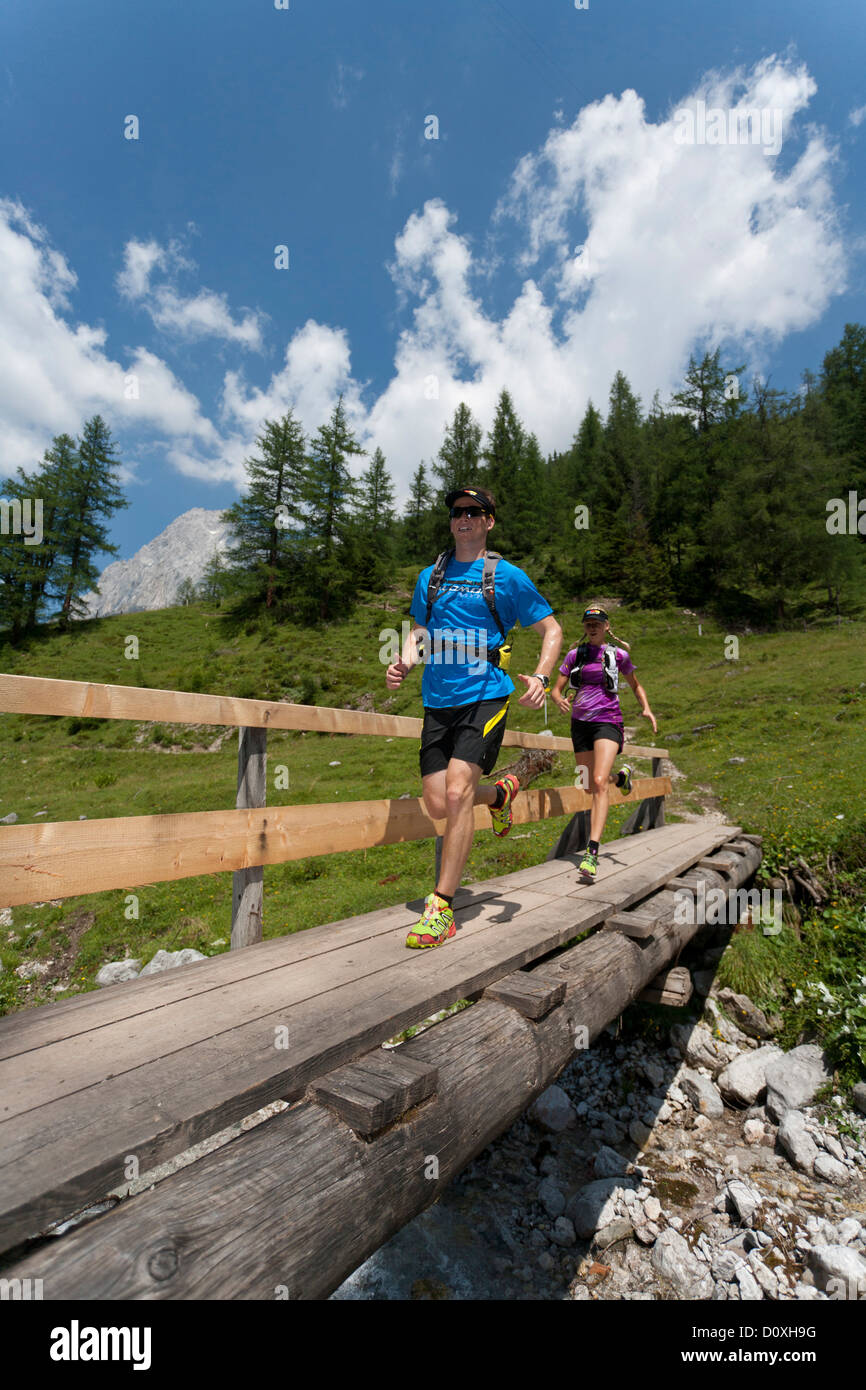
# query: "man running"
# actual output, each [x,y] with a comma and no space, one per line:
[465,689]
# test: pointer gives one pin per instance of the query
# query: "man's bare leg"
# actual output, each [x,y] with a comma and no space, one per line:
[453,794]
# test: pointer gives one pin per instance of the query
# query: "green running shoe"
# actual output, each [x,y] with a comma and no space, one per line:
[436,925]
[502,816]
[588,867]
[626,786]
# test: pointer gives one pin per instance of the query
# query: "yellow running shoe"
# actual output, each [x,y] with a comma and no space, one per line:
[503,815]
[436,925]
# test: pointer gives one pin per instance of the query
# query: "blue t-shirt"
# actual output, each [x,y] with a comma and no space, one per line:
[463,629]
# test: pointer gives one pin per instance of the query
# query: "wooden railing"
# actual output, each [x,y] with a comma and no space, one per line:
[68,858]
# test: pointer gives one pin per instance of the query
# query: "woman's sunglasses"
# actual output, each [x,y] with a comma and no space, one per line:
[466,511]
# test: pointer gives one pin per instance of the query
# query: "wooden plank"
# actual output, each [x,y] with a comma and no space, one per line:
[631,924]
[672,986]
[50,1023]
[68,858]
[376,1090]
[531,993]
[32,1078]
[248,884]
[720,863]
[66,1152]
[59,1156]
[42,695]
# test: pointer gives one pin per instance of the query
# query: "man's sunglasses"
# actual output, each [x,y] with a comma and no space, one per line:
[467,511]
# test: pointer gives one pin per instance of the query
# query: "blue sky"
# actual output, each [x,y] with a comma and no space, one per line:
[565,223]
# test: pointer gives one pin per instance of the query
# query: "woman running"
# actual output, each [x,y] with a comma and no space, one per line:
[592,670]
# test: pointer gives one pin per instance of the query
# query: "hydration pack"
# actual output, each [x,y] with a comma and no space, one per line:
[610,670]
[501,655]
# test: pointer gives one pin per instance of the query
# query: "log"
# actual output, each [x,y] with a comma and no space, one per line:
[294,1206]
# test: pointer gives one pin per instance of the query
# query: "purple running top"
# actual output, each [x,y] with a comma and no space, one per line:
[591,702]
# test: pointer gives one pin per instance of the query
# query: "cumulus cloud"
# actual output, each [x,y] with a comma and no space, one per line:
[616,246]
[857,116]
[202,315]
[53,375]
[633,248]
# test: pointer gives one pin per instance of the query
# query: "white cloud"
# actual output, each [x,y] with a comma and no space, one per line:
[641,249]
[202,315]
[627,248]
[53,375]
[857,116]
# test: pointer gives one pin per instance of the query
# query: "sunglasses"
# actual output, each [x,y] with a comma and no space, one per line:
[467,511]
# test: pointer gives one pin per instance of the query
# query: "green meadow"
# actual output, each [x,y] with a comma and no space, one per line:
[774,737]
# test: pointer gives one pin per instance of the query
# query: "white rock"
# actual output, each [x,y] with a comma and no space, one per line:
[849,1230]
[117,971]
[170,960]
[797,1142]
[743,1080]
[652,1208]
[753,1131]
[703,1095]
[841,1264]
[830,1169]
[595,1205]
[749,1288]
[673,1260]
[793,1079]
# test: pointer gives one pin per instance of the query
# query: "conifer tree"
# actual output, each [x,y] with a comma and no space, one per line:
[263,519]
[375,523]
[93,496]
[330,494]
[460,454]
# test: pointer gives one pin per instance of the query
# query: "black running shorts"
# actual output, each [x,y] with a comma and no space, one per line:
[470,732]
[585,732]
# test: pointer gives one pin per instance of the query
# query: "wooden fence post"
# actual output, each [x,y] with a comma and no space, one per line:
[248,884]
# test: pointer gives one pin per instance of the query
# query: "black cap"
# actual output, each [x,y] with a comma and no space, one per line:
[476,497]
[597,613]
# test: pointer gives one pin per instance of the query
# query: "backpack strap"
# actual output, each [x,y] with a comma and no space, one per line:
[488,587]
[610,677]
[435,581]
[579,663]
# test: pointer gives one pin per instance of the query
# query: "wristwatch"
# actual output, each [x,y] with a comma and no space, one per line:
[545,680]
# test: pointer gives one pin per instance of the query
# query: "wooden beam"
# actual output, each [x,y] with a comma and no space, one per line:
[43,695]
[530,992]
[68,858]
[672,987]
[376,1090]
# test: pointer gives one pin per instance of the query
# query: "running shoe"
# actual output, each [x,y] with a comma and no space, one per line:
[503,815]
[436,925]
[626,786]
[588,867]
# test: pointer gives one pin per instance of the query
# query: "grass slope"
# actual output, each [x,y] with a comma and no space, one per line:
[791,706]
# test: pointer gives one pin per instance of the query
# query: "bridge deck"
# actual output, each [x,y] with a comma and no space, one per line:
[152,1066]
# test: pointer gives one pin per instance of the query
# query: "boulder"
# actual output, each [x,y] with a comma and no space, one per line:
[840,1264]
[609,1164]
[858,1096]
[170,960]
[830,1169]
[117,971]
[703,1095]
[793,1079]
[744,1200]
[551,1198]
[553,1110]
[594,1206]
[703,1050]
[674,1261]
[797,1142]
[749,1017]
[744,1079]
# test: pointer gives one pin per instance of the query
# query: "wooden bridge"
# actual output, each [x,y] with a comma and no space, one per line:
[372,1135]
